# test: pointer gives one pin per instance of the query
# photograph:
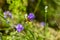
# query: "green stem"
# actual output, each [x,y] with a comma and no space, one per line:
[46,25]
[37,5]
[3,18]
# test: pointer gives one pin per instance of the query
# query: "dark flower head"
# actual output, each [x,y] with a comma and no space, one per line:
[7,14]
[19,28]
[31,16]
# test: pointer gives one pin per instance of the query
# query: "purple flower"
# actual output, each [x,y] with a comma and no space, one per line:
[19,28]
[7,14]
[42,24]
[31,16]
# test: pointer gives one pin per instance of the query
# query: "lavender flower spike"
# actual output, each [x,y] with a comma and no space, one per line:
[19,28]
[31,16]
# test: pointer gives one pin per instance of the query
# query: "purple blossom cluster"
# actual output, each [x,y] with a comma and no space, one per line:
[19,27]
[31,16]
[7,14]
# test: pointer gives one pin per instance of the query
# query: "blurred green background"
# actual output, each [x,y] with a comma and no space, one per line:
[45,26]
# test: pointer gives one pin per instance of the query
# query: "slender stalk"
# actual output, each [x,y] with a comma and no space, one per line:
[37,5]
[45,28]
